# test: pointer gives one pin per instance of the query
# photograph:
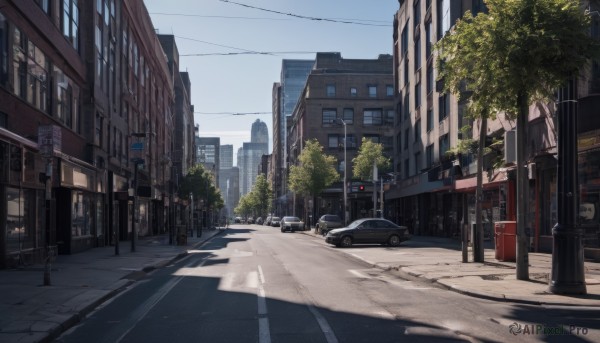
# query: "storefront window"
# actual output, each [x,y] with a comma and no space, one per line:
[20,219]
[81,214]
[589,206]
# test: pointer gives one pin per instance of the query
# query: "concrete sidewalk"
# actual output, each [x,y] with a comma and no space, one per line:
[439,260]
[31,312]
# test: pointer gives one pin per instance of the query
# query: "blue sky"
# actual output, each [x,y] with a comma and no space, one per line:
[242,83]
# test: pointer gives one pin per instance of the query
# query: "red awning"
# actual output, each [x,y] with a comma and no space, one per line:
[469,184]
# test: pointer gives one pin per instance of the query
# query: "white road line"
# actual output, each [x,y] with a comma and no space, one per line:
[325,327]
[137,315]
[226,282]
[264,331]
[252,279]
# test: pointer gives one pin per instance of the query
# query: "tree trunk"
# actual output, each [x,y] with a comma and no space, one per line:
[478,250]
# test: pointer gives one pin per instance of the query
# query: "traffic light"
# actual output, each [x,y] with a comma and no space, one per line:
[361,188]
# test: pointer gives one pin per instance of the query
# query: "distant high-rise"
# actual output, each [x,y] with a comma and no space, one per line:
[249,156]
[259,132]
[226,152]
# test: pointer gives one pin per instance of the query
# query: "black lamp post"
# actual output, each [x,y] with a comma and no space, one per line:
[136,163]
[567,276]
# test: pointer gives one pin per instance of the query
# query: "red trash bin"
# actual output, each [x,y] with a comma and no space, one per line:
[506,240]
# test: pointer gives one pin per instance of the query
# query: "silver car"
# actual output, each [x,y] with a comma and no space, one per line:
[290,223]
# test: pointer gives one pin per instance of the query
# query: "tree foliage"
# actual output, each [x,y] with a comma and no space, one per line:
[258,201]
[368,154]
[315,172]
[200,182]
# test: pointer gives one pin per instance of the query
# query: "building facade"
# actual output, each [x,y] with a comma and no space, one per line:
[355,94]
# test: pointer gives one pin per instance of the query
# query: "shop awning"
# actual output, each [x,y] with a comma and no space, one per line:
[469,184]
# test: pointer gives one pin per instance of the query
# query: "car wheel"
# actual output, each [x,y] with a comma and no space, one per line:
[394,241]
[282,230]
[346,241]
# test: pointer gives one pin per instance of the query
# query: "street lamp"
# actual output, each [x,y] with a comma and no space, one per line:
[345,172]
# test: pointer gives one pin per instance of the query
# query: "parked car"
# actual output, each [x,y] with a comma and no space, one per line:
[237,220]
[328,222]
[267,221]
[259,221]
[368,230]
[250,220]
[275,221]
[290,223]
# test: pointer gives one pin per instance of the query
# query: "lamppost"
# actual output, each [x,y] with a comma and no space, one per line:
[345,172]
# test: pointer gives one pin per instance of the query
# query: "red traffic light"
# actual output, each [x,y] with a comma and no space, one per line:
[361,188]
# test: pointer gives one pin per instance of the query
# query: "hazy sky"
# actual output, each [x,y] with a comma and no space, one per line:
[241,81]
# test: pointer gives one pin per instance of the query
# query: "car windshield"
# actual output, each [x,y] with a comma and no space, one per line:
[275,219]
[291,219]
[355,223]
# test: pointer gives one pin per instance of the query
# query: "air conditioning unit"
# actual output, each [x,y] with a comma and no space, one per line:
[510,146]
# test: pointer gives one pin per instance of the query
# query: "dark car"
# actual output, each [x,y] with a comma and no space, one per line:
[267,220]
[369,231]
[328,222]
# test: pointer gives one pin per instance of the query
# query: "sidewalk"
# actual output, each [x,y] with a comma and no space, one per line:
[31,312]
[439,260]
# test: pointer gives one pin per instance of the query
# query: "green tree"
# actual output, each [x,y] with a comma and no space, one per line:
[200,182]
[369,153]
[518,53]
[315,172]
[263,194]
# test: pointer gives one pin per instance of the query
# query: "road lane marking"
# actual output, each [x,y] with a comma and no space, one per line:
[137,315]
[264,331]
[252,279]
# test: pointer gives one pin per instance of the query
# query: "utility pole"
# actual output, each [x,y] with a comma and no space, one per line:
[522,192]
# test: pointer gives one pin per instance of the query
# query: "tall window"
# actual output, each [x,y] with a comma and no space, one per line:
[4,63]
[417,12]
[335,141]
[418,53]
[429,155]
[30,72]
[351,141]
[406,166]
[444,145]
[330,90]
[70,22]
[353,91]
[430,79]
[406,135]
[390,115]
[428,37]
[418,131]
[44,5]
[348,116]
[404,40]
[329,115]
[66,100]
[444,105]
[372,117]
[406,109]
[417,95]
[417,162]
[429,120]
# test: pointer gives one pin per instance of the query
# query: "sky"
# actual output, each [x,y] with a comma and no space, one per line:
[233,50]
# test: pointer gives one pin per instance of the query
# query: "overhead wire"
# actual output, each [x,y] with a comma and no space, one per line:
[354,22]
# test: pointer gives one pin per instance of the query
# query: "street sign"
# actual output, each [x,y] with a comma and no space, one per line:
[49,139]
[137,146]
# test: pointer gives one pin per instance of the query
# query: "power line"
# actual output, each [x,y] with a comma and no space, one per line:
[213,16]
[251,53]
[223,46]
[304,17]
[234,113]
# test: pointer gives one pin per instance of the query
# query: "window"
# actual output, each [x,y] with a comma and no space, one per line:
[406,79]
[81,215]
[389,90]
[430,78]
[351,141]
[404,39]
[444,104]
[329,116]
[429,156]
[399,142]
[70,22]
[417,95]
[348,116]
[418,53]
[335,141]
[372,91]
[418,131]
[429,120]
[428,38]
[406,106]
[353,91]
[98,137]
[417,162]
[30,72]
[372,117]
[417,12]
[330,90]
[406,166]
[406,135]
[44,5]
[3,51]
[444,145]
[66,100]
[389,117]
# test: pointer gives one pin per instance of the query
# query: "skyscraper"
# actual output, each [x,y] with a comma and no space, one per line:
[250,154]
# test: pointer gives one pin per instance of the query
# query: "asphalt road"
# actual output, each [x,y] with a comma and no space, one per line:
[256,284]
